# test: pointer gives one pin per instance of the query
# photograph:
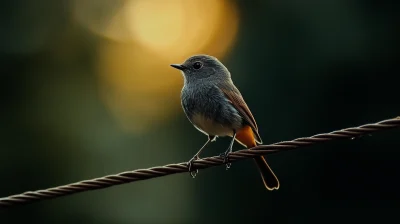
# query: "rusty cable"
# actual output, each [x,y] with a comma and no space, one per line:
[159,171]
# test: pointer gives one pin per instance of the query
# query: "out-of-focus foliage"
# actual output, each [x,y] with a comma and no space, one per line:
[86,90]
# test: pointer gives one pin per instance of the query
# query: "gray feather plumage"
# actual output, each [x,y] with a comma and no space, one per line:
[205,98]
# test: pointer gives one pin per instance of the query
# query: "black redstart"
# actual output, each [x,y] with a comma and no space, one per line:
[215,107]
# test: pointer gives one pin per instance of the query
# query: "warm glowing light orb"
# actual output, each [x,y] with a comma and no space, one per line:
[136,82]
[158,26]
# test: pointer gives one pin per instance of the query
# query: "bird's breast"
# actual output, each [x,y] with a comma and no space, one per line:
[210,126]
[209,110]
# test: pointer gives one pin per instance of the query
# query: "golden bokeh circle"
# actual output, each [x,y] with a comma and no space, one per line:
[136,82]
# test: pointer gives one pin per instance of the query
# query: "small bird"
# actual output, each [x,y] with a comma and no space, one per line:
[215,107]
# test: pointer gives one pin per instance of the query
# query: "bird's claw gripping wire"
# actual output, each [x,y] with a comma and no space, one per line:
[225,156]
[192,172]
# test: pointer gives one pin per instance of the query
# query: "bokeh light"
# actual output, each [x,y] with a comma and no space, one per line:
[143,38]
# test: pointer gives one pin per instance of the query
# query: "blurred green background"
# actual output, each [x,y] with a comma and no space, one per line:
[87,91]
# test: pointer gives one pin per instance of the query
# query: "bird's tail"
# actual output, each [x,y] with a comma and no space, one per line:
[271,182]
[246,138]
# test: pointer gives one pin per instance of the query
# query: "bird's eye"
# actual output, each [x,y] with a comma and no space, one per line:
[197,65]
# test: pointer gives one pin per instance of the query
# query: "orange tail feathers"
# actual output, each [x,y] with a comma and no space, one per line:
[271,182]
[245,136]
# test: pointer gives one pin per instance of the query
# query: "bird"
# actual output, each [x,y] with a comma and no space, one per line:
[215,107]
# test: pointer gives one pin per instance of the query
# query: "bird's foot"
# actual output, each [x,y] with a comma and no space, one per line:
[193,172]
[225,156]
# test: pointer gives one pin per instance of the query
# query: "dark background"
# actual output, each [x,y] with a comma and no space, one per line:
[304,67]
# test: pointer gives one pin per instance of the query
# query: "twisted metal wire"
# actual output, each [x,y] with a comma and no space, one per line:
[159,171]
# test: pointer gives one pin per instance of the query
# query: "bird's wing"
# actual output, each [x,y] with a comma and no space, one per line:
[237,101]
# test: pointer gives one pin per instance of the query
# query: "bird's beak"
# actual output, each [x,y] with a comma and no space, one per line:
[178,66]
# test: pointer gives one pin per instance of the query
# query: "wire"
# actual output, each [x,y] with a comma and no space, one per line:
[159,171]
